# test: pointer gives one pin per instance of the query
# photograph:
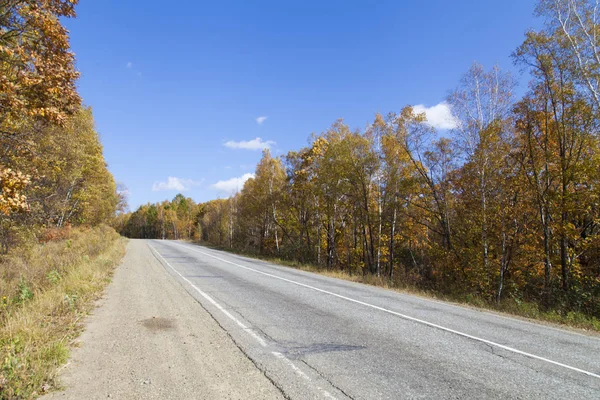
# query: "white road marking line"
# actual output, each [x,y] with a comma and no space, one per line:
[259,339]
[440,327]
[301,373]
[521,320]
[244,327]
[291,364]
[462,307]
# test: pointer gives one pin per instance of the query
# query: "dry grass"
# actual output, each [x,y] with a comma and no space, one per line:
[46,291]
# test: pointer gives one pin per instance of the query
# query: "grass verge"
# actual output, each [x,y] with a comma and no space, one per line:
[46,291]
[526,310]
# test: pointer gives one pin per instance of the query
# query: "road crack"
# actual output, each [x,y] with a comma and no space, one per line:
[327,379]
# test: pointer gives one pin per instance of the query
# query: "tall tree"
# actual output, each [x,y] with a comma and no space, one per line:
[481,106]
[434,162]
[574,27]
[37,78]
[565,131]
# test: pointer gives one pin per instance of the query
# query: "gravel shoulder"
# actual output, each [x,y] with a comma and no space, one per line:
[149,339]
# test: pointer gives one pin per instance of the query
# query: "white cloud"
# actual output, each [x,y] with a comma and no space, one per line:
[254,144]
[233,185]
[174,183]
[129,65]
[438,116]
[260,120]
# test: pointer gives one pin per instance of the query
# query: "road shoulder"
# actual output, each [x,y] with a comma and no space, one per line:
[149,339]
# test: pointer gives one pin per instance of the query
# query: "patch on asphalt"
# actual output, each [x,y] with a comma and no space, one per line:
[158,324]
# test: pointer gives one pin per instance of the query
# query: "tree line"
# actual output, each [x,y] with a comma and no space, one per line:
[52,169]
[504,206]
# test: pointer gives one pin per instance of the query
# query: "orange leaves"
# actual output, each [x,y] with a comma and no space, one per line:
[12,184]
[37,80]
[37,68]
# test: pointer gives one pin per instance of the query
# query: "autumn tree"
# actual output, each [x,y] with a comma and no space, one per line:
[572,26]
[481,107]
[37,77]
[558,127]
[433,161]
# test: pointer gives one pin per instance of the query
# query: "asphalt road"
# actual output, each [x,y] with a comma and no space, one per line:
[318,337]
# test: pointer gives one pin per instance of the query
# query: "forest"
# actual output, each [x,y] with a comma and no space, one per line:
[503,208]
[52,168]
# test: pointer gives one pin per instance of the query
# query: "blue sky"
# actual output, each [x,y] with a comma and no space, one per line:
[178,89]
